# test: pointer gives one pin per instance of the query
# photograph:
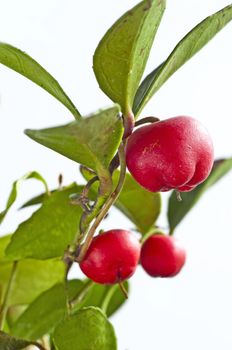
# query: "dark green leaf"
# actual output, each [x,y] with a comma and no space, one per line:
[139,205]
[15,188]
[20,62]
[44,314]
[177,210]
[197,38]
[9,343]
[48,232]
[92,141]
[87,329]
[32,278]
[121,56]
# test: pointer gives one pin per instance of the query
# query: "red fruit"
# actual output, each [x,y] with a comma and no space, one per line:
[176,153]
[112,257]
[161,256]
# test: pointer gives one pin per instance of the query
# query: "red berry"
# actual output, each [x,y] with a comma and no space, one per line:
[176,153]
[161,256]
[112,257]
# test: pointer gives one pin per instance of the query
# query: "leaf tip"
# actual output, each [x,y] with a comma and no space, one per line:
[28,132]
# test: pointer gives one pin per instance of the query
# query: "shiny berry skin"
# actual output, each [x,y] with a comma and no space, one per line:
[112,257]
[161,256]
[175,153]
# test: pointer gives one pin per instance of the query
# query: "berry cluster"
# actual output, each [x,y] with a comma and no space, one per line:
[113,256]
[176,153]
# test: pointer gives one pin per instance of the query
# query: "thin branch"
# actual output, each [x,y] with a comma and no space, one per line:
[88,215]
[114,163]
[87,187]
[85,168]
[7,295]
[128,123]
[110,201]
[123,289]
[147,120]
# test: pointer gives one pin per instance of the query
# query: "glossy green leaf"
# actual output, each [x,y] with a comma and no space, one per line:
[178,210]
[45,313]
[139,205]
[15,189]
[92,141]
[10,343]
[48,232]
[194,41]
[25,65]
[32,276]
[121,56]
[87,329]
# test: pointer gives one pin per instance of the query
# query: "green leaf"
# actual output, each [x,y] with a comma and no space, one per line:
[87,329]
[50,307]
[107,298]
[15,188]
[25,65]
[143,90]
[32,276]
[48,232]
[177,210]
[36,200]
[139,205]
[194,41]
[13,313]
[121,56]
[10,343]
[92,141]
[44,314]
[4,241]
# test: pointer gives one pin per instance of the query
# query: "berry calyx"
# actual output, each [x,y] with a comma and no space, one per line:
[175,153]
[162,256]
[112,257]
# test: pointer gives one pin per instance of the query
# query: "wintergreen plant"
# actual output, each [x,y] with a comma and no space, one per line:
[40,305]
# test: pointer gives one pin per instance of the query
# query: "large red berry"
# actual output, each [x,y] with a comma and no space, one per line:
[176,153]
[162,256]
[112,257]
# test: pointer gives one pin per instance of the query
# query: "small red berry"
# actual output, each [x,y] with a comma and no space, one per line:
[161,256]
[176,153]
[112,257]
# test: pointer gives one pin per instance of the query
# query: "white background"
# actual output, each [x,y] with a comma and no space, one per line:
[193,310]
